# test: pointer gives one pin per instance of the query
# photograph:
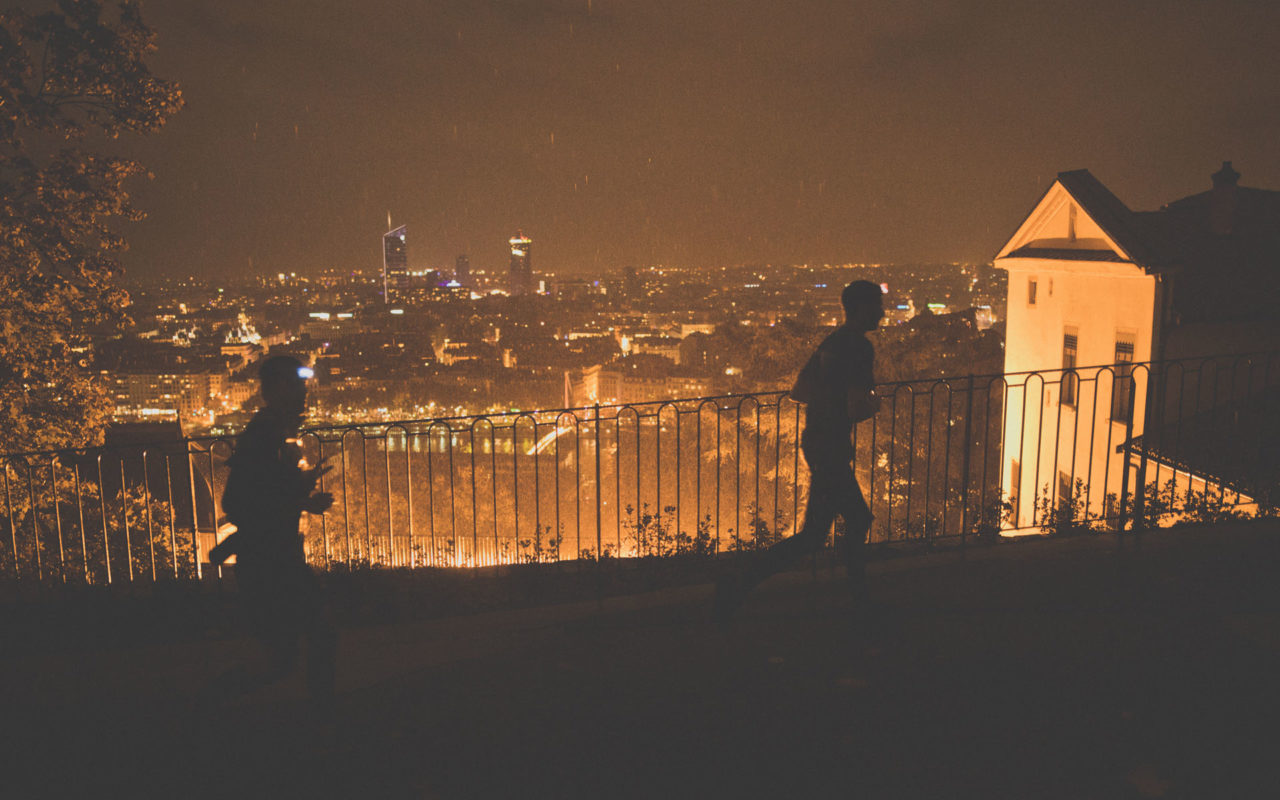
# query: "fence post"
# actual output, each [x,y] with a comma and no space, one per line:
[964,479]
[1128,453]
[195,516]
[599,537]
[599,567]
[1140,482]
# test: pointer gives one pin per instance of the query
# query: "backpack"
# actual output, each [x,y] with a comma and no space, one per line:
[805,389]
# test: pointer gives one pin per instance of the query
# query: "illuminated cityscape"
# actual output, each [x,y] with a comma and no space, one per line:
[440,347]
[892,408]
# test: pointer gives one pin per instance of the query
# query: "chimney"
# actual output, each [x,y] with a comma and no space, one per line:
[1222,200]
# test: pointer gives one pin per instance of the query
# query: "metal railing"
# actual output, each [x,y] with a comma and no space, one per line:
[948,460]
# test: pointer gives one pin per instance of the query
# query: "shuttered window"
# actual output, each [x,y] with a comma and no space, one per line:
[1070,381]
[1123,383]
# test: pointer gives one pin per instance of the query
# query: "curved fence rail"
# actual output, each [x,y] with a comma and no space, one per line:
[1099,448]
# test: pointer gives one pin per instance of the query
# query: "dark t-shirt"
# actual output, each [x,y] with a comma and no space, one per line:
[846,361]
[265,488]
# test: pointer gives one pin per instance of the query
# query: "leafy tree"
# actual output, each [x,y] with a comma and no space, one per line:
[72,76]
[933,346]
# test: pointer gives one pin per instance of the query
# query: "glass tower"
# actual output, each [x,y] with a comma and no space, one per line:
[395,263]
[520,275]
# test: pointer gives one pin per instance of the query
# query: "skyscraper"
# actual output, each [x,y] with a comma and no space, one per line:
[395,263]
[520,275]
[462,270]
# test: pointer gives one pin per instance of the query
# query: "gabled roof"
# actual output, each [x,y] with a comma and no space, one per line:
[1221,248]
[1126,236]
[1112,215]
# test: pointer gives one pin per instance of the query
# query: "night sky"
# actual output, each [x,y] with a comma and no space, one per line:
[696,132]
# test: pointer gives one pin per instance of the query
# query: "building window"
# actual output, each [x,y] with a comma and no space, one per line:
[1122,385]
[1070,381]
[1065,494]
[1031,291]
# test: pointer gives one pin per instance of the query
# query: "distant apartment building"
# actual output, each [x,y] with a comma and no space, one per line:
[245,351]
[630,380]
[577,289]
[239,392]
[667,347]
[450,352]
[688,328]
[1095,288]
[169,394]
[332,324]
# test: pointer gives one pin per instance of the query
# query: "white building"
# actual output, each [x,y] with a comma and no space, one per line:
[1095,287]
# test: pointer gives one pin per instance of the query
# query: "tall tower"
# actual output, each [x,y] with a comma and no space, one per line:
[462,270]
[520,275]
[395,263]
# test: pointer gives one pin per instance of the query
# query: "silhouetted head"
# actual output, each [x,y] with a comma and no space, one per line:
[863,303]
[284,383]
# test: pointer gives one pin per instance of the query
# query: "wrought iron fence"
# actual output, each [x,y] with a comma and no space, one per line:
[944,461]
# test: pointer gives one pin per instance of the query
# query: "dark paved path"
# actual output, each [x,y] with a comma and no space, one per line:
[1055,669]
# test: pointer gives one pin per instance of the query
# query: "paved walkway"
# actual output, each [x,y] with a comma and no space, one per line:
[1051,669]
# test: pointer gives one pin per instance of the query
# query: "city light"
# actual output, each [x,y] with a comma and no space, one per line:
[694,381]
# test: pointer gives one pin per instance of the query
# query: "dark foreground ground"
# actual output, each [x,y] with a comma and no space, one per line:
[1049,669]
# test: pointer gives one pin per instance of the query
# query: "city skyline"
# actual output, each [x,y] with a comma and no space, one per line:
[618,134]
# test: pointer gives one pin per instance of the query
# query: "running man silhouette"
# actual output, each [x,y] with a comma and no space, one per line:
[267,491]
[837,386]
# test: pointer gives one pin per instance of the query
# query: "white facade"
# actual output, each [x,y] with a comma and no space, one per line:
[1077,297]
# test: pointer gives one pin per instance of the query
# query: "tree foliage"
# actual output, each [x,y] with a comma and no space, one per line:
[941,346]
[70,79]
